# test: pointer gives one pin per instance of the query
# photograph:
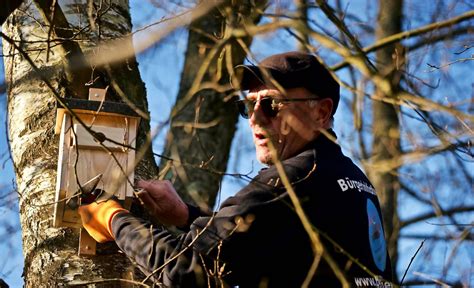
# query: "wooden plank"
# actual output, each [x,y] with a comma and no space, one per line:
[87,244]
[93,162]
[84,139]
[59,120]
[97,106]
[132,136]
[61,177]
[101,119]
[60,112]
[89,164]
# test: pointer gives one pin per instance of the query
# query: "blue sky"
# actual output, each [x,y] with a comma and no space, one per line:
[11,265]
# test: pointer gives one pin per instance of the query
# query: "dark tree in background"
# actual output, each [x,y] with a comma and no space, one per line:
[386,130]
[204,117]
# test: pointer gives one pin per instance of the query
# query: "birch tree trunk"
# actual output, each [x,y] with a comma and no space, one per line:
[386,130]
[50,253]
[204,120]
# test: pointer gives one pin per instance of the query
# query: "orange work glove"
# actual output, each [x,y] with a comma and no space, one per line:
[97,219]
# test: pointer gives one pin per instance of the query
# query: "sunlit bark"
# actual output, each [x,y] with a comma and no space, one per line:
[50,253]
[385,127]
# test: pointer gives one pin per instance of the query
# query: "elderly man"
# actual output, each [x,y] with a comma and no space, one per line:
[257,238]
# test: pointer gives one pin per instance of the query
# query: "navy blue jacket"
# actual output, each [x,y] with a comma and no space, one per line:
[256,238]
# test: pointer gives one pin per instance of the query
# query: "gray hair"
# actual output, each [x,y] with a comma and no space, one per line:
[312,104]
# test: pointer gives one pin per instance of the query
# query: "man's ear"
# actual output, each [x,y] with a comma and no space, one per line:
[323,112]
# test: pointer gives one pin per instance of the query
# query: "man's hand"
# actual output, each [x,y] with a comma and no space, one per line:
[162,201]
[97,219]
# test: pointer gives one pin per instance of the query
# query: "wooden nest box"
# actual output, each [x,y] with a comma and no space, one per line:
[83,156]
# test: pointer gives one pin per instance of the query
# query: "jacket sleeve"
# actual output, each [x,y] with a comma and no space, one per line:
[168,257]
[181,260]
[184,260]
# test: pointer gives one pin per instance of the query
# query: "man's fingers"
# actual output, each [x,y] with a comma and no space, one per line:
[153,184]
[146,199]
[150,186]
[143,184]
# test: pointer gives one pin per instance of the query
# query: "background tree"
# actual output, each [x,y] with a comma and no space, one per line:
[386,130]
[204,118]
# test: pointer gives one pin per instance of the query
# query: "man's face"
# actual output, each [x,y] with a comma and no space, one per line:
[294,126]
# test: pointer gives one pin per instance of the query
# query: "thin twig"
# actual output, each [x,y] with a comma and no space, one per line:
[411,261]
[111,280]
[409,34]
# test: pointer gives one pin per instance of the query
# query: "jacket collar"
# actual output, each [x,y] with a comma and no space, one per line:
[323,142]
[323,146]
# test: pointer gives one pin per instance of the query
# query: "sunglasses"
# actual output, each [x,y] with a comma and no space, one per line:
[270,106]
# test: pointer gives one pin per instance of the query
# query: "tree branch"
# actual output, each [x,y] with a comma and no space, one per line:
[78,72]
[327,10]
[414,194]
[411,261]
[469,237]
[421,282]
[115,51]
[412,156]
[440,37]
[409,34]
[429,215]
[401,98]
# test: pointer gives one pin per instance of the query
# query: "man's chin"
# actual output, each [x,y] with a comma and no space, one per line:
[265,157]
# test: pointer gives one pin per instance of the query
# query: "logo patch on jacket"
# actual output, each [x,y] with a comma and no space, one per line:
[376,236]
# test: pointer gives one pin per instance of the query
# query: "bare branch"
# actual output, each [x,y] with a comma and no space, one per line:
[118,282]
[429,215]
[448,34]
[422,282]
[74,57]
[409,34]
[411,261]
[437,67]
[122,51]
[414,194]
[466,233]
[469,237]
[343,28]
[412,156]
[441,282]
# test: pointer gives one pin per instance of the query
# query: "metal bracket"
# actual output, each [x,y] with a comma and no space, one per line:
[97,94]
[87,244]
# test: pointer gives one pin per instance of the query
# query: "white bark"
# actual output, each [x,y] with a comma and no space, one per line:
[50,253]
